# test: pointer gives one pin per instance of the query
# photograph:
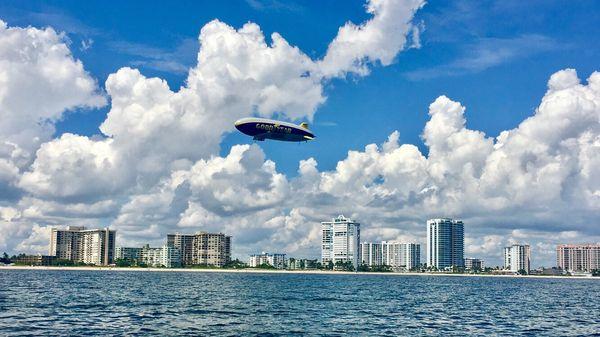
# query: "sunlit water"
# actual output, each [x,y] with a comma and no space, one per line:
[57,303]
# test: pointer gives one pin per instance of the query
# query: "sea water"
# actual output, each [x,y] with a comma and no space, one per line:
[107,303]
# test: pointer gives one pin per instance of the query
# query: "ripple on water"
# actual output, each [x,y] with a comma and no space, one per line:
[92,303]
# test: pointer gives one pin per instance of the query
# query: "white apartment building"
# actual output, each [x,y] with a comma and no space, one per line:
[165,256]
[90,246]
[582,257]
[410,256]
[517,257]
[445,243]
[276,260]
[128,253]
[397,255]
[370,254]
[340,242]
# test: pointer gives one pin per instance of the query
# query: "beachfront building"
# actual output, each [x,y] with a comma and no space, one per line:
[473,264]
[370,254]
[517,258]
[131,254]
[300,264]
[35,260]
[581,257]
[275,260]
[398,255]
[445,243]
[409,256]
[202,248]
[90,246]
[340,241]
[165,256]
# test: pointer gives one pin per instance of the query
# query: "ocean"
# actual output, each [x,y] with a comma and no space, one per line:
[117,303]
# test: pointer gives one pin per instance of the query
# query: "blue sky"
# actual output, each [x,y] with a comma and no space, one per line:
[457,58]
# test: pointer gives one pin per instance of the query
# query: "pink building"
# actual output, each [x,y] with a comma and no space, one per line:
[581,257]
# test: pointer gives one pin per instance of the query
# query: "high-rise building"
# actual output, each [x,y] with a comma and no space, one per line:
[445,243]
[582,257]
[202,248]
[183,242]
[390,253]
[397,255]
[276,260]
[341,237]
[410,256]
[370,254]
[90,246]
[517,258]
[473,264]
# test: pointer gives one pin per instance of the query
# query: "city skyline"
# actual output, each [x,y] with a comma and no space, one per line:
[420,110]
[79,244]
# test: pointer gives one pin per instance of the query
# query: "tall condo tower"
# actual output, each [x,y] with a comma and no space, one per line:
[341,237]
[445,243]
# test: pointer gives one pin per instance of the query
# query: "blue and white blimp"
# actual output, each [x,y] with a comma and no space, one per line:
[262,128]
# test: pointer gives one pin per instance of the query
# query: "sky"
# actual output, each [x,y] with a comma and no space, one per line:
[122,116]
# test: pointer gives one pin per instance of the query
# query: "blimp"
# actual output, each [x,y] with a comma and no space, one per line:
[262,128]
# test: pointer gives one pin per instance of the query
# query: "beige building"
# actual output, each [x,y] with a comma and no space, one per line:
[90,246]
[582,257]
[202,248]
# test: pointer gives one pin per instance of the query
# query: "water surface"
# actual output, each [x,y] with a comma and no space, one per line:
[106,303]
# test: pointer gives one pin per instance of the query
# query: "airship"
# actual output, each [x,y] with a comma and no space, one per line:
[262,128]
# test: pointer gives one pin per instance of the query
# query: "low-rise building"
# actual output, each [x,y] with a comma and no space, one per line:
[35,260]
[165,256]
[301,264]
[276,260]
[132,254]
[473,264]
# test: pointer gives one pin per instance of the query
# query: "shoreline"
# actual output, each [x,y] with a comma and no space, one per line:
[268,271]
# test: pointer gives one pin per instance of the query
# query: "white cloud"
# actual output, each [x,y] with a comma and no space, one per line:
[153,130]
[377,40]
[39,81]
[523,186]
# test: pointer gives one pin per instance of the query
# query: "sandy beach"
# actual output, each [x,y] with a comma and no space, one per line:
[267,271]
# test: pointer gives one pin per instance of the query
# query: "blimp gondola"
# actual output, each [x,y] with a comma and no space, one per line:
[262,128]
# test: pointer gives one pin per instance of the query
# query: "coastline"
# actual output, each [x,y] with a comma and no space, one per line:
[269,271]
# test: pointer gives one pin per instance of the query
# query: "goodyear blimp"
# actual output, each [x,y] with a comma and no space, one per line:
[262,128]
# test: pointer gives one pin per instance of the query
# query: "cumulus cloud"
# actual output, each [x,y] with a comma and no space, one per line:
[153,130]
[377,40]
[39,81]
[528,184]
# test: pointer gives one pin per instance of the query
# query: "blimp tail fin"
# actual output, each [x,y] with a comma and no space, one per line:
[304,125]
